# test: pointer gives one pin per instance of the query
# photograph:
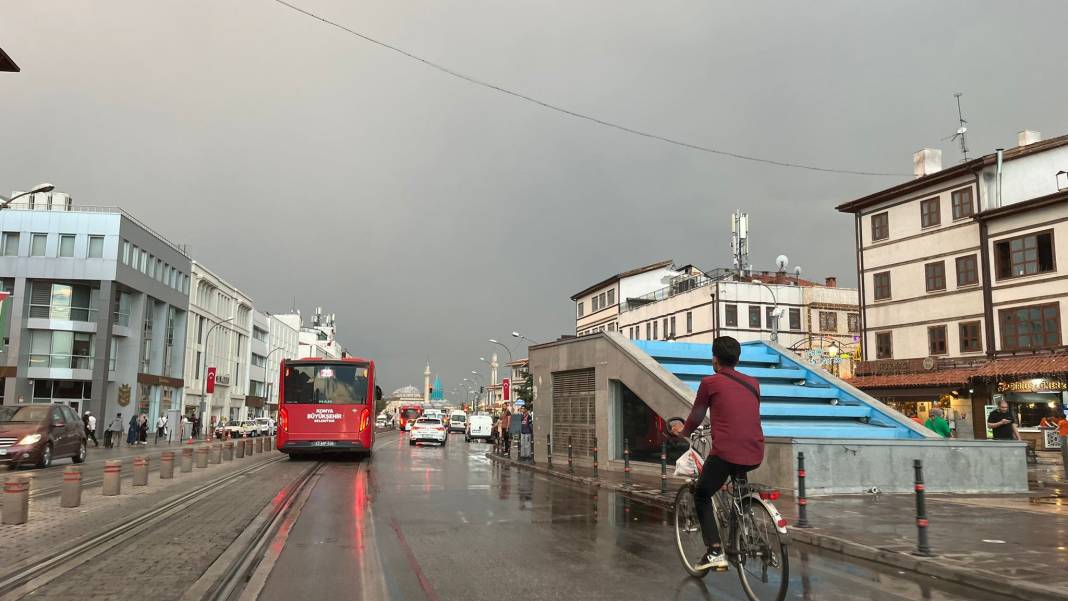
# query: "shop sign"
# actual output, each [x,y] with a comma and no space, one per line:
[820,358]
[1033,385]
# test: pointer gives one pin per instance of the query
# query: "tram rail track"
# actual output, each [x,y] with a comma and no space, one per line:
[31,573]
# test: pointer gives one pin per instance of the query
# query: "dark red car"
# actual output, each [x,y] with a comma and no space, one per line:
[39,434]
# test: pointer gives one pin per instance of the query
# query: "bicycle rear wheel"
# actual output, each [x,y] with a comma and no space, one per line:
[763,558]
[688,540]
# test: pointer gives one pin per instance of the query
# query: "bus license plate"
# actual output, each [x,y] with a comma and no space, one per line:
[323,443]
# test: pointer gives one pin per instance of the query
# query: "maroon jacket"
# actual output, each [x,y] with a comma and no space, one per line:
[735,415]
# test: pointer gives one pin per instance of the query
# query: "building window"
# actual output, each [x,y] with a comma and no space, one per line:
[602,299]
[612,327]
[967,271]
[1024,255]
[795,319]
[581,309]
[655,333]
[970,341]
[259,360]
[930,213]
[936,340]
[1034,327]
[122,308]
[96,247]
[769,316]
[689,322]
[38,242]
[259,334]
[884,345]
[731,315]
[9,244]
[611,297]
[880,226]
[881,287]
[962,203]
[935,276]
[62,301]
[828,321]
[67,350]
[754,316]
[66,245]
[152,266]
[648,331]
[672,326]
[853,322]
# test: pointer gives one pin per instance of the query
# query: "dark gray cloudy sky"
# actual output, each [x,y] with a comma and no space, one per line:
[429,214]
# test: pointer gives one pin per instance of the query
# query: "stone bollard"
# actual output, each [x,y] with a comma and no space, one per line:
[70,495]
[269,445]
[239,450]
[166,465]
[16,500]
[215,454]
[112,477]
[248,446]
[140,470]
[259,444]
[202,455]
[228,451]
[186,461]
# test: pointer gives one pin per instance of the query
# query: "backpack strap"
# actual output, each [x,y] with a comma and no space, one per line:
[748,386]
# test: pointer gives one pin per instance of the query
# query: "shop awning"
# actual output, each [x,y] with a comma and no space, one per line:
[945,377]
[1034,365]
[254,402]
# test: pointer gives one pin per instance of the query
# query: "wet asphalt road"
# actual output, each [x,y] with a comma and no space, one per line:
[416,523]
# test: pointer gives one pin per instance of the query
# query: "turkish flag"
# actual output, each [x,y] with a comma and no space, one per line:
[506,389]
[211,380]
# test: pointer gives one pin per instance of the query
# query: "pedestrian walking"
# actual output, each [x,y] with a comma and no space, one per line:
[1002,423]
[90,427]
[196,426]
[133,434]
[526,435]
[142,429]
[161,428]
[113,434]
[938,423]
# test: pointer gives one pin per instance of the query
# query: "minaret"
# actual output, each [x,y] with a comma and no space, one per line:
[426,383]
[493,376]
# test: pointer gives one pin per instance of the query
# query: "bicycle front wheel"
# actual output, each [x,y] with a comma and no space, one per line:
[688,540]
[763,557]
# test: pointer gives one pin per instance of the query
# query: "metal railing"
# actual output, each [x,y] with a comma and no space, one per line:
[25,206]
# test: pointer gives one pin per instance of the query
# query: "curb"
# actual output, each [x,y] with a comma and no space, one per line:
[934,567]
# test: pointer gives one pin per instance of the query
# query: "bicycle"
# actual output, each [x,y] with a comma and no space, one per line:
[752,530]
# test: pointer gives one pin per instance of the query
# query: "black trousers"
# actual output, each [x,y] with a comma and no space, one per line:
[92,434]
[713,476]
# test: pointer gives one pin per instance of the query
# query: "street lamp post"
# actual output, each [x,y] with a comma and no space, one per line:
[518,335]
[204,370]
[266,363]
[481,383]
[510,360]
[774,312]
[4,201]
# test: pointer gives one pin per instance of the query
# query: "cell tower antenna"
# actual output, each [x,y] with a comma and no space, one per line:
[962,130]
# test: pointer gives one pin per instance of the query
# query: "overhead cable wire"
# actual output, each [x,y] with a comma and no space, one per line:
[578,115]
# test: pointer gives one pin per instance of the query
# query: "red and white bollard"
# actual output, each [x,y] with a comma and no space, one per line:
[16,500]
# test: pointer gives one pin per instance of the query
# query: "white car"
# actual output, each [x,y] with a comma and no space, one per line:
[428,429]
[479,426]
[457,421]
[266,426]
[380,422]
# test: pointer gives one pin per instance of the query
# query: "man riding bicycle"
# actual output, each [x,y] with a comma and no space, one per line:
[733,402]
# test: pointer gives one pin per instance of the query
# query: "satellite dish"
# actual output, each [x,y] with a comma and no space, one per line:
[782,261]
[928,363]
[797,271]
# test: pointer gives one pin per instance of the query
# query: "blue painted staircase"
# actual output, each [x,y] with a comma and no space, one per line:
[797,400]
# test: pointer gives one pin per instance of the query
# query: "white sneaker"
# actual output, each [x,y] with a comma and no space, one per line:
[713,561]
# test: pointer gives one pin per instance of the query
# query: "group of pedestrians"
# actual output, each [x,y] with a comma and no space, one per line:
[518,427]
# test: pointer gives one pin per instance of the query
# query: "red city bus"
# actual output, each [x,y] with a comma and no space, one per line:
[407,414]
[327,405]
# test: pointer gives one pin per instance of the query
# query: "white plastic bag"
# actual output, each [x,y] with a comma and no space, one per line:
[689,464]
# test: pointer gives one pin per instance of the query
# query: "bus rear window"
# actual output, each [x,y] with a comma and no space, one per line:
[329,384]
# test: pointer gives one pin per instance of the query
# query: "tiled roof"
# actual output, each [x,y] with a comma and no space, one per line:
[1024,366]
[1032,365]
[946,377]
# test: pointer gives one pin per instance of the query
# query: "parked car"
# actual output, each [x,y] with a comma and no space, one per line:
[428,429]
[457,421]
[480,427]
[265,426]
[380,422]
[237,429]
[40,434]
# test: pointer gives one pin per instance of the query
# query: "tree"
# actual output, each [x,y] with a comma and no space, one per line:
[525,391]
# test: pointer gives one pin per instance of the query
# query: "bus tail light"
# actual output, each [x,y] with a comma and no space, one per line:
[283,419]
[364,416]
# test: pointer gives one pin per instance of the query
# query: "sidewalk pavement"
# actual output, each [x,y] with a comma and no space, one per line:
[1015,545]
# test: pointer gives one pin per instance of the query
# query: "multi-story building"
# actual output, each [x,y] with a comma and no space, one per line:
[97,312]
[283,343]
[259,347]
[821,322]
[960,286]
[217,337]
[597,307]
[317,340]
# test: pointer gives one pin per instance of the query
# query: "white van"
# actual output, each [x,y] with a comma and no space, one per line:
[457,421]
[480,427]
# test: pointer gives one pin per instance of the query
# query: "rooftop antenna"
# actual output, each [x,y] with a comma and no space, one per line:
[961,131]
[740,240]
